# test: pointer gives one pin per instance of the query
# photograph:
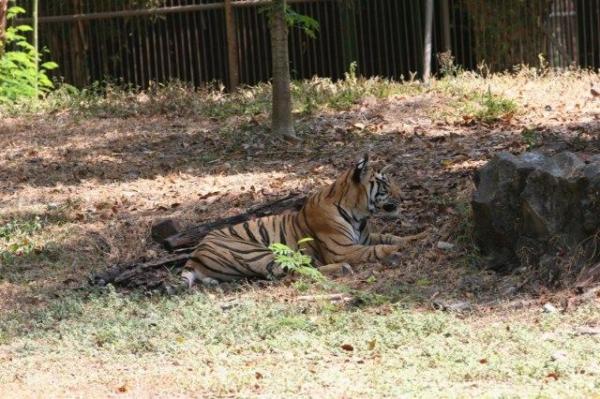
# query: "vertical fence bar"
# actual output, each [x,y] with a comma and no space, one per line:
[347,21]
[157,53]
[445,16]
[388,54]
[325,36]
[258,44]
[427,40]
[393,41]
[185,66]
[386,37]
[68,68]
[116,54]
[464,27]
[150,70]
[418,35]
[189,46]
[315,11]
[375,38]
[190,49]
[408,48]
[596,64]
[36,44]
[454,32]
[198,49]
[140,46]
[367,37]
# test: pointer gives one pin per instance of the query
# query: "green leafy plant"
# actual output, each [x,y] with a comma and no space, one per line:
[494,108]
[296,261]
[447,65]
[308,25]
[531,138]
[15,238]
[489,107]
[19,74]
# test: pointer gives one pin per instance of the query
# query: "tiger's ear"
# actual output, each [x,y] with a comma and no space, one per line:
[361,168]
[387,168]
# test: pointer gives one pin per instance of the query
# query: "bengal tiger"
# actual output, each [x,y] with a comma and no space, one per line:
[336,218]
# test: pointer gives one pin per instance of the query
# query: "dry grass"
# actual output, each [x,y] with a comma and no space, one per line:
[84,177]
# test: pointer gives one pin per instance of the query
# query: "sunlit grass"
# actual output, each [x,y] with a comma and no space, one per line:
[386,351]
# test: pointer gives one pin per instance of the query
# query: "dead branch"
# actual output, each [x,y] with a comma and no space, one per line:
[587,296]
[325,297]
[141,274]
[193,235]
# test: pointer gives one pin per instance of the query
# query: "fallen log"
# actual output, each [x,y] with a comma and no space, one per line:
[190,237]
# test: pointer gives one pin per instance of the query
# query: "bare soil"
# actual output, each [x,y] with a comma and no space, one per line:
[98,183]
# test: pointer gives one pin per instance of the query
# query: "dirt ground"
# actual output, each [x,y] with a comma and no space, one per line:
[97,183]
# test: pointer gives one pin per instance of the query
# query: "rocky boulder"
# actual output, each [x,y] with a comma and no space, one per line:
[538,210]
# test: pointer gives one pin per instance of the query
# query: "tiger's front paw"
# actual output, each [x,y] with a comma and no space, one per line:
[393,260]
[419,236]
[337,269]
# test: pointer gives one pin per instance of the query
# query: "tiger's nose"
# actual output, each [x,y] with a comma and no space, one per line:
[390,207]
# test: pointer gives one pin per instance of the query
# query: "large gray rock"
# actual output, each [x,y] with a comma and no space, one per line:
[535,206]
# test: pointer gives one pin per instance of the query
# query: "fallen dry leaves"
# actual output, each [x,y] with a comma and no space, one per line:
[110,178]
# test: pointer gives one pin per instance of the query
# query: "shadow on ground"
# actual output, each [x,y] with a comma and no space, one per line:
[433,167]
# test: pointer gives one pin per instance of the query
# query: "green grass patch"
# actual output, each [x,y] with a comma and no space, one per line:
[492,107]
[399,352]
[472,105]
[16,238]
[30,243]
[179,99]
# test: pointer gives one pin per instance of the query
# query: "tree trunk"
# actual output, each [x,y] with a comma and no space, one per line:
[3,8]
[232,47]
[281,122]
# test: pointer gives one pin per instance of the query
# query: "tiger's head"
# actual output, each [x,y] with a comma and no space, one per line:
[370,190]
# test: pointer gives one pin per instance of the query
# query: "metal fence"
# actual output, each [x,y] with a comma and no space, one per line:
[126,41]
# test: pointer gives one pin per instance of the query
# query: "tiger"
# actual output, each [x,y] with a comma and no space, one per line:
[336,218]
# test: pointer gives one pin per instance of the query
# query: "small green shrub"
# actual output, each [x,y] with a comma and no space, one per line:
[308,25]
[15,238]
[447,66]
[296,261]
[531,138]
[19,75]
[494,107]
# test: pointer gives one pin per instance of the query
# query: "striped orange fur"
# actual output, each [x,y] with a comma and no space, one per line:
[336,217]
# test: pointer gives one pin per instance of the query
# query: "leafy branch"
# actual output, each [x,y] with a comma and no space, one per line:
[19,76]
[308,25]
[296,261]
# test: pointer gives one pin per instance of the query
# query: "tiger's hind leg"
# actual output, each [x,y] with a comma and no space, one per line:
[223,258]
[189,277]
